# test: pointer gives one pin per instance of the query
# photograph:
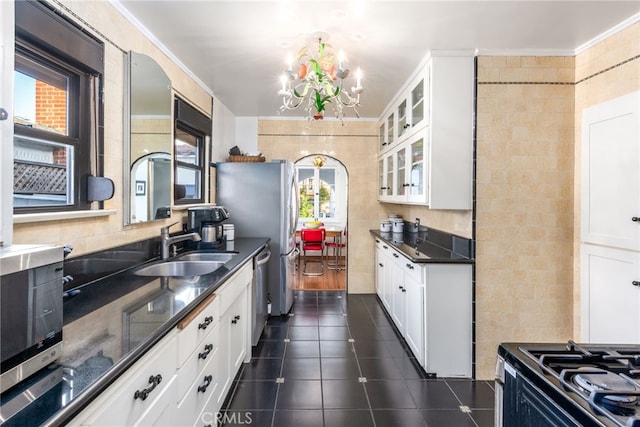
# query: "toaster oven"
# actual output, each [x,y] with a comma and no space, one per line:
[30,310]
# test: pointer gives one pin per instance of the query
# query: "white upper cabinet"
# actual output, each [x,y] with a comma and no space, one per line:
[428,132]
[611,173]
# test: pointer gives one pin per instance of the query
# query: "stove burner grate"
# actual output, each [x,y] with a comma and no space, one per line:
[592,380]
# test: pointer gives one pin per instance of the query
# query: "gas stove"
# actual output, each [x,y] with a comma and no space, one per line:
[569,384]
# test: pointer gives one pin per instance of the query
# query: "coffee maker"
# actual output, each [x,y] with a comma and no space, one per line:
[207,222]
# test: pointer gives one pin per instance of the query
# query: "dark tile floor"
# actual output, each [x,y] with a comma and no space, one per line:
[337,361]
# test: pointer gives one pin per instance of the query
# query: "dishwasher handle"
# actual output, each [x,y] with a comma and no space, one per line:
[266,255]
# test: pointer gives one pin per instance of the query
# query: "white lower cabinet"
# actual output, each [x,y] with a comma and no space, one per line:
[142,394]
[449,319]
[235,329]
[431,305]
[183,380]
[415,313]
[610,294]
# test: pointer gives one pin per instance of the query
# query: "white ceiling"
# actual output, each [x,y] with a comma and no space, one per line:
[237,48]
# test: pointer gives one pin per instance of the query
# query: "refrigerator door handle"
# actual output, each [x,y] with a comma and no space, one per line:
[294,253]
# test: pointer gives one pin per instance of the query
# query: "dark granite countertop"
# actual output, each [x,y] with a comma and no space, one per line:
[429,245]
[101,339]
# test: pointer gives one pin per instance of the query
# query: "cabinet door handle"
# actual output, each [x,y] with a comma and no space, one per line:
[635,219]
[380,264]
[207,381]
[410,267]
[635,283]
[144,393]
[205,353]
[207,322]
[404,290]
[384,247]
[396,255]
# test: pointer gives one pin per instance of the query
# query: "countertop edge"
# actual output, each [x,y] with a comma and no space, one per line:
[74,408]
[377,234]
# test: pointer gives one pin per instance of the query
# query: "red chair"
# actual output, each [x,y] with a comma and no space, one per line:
[339,243]
[312,239]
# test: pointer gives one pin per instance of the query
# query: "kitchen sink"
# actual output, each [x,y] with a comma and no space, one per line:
[207,256]
[179,268]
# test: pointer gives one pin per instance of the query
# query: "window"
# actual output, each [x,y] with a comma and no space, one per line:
[317,188]
[192,130]
[57,80]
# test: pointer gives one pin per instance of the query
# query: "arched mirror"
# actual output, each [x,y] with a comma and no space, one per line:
[147,141]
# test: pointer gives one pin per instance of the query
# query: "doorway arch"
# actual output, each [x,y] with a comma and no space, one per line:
[323,184]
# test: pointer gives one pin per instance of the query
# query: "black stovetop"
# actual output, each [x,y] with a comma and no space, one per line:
[556,368]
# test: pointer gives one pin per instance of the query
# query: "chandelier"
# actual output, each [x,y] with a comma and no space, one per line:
[318,82]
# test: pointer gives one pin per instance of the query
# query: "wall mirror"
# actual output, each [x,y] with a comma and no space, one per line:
[148,139]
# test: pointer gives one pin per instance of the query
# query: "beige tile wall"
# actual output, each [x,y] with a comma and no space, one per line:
[87,235]
[524,202]
[353,144]
[619,55]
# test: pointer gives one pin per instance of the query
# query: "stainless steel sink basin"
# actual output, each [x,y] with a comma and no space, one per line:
[207,256]
[179,268]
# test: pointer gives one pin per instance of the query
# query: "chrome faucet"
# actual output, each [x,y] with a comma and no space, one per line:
[166,241]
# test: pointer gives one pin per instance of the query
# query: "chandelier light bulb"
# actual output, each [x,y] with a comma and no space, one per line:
[289,62]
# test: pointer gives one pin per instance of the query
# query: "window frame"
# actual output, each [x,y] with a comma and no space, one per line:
[48,43]
[189,120]
[198,166]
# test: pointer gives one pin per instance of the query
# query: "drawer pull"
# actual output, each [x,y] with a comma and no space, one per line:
[205,353]
[207,381]
[396,255]
[207,322]
[237,317]
[635,283]
[635,219]
[410,267]
[143,394]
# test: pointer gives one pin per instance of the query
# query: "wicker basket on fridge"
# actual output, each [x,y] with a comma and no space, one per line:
[254,159]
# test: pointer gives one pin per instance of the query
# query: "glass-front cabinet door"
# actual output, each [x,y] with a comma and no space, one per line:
[417,103]
[390,129]
[401,167]
[389,171]
[402,118]
[382,181]
[382,137]
[417,172]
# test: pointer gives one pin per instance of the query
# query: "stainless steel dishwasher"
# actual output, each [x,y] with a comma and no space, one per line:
[259,313]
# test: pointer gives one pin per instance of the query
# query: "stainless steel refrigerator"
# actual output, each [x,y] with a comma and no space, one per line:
[262,200]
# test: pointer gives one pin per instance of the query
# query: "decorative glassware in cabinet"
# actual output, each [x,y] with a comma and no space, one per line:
[417,167]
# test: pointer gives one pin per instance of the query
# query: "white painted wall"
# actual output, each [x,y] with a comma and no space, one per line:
[7,38]
[224,131]
[247,134]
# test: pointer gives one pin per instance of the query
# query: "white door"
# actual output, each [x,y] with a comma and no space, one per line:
[6,120]
[611,173]
[610,295]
